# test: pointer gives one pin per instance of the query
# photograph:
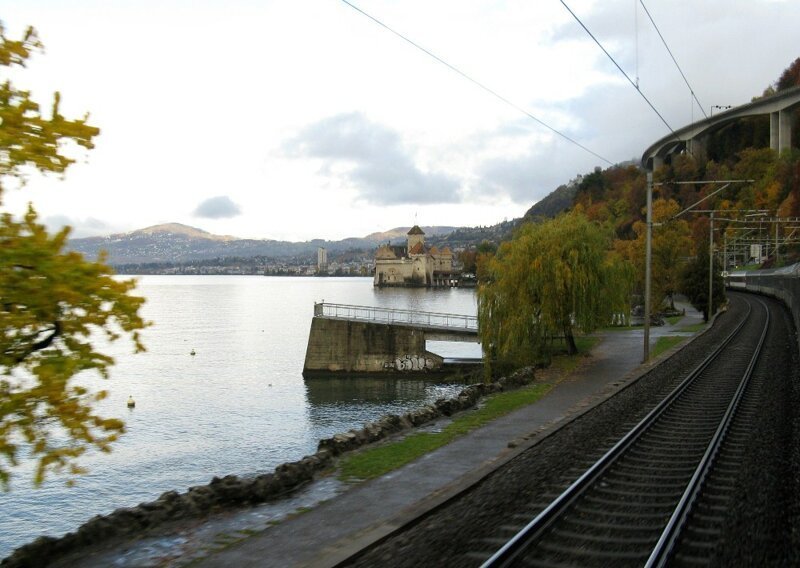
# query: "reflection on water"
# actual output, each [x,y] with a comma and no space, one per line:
[363,390]
[239,405]
[358,400]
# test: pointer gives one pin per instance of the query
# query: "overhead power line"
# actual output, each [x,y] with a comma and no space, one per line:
[478,83]
[652,21]
[633,84]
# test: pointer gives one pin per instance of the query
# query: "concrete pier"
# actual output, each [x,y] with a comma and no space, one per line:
[359,339]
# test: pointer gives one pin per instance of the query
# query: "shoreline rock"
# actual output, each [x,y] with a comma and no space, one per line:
[232,491]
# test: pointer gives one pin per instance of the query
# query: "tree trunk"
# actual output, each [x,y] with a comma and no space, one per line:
[572,349]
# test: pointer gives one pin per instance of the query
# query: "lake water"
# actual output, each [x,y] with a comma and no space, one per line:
[239,406]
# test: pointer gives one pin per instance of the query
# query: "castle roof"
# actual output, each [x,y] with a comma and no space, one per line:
[385,253]
[415,230]
[418,248]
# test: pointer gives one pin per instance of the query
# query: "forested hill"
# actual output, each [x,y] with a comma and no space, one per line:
[616,196]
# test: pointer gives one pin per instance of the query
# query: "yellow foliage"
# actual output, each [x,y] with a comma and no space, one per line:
[51,301]
[551,278]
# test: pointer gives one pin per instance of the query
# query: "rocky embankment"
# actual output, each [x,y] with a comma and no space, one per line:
[233,491]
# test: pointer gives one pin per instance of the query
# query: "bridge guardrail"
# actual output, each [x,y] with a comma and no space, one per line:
[392,316]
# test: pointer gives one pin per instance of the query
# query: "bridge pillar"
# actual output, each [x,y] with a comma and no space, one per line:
[697,148]
[780,130]
[784,130]
[773,131]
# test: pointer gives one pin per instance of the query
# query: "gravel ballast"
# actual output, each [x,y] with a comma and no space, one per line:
[760,530]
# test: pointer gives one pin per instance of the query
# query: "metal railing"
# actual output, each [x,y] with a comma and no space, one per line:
[454,322]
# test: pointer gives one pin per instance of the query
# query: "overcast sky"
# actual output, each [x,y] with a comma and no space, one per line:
[300,119]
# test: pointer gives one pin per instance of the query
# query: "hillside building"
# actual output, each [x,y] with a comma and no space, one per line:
[414,265]
[322,261]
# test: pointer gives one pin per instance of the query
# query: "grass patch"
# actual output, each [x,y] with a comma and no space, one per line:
[695,327]
[586,343]
[373,462]
[379,460]
[666,342]
[567,363]
[621,327]
[248,532]
[672,320]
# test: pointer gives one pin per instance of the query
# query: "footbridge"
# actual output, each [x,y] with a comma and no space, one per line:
[693,138]
[366,339]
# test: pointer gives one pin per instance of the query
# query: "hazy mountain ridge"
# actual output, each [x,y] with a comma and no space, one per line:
[400,233]
[179,229]
[174,242]
[178,243]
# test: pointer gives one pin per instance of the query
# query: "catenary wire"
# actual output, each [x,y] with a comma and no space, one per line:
[478,83]
[633,84]
[652,21]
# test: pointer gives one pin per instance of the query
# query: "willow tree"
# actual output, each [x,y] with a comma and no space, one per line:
[53,303]
[552,279]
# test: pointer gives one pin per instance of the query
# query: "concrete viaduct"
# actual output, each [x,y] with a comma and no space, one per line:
[693,138]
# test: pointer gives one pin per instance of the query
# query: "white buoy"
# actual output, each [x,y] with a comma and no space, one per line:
[131,402]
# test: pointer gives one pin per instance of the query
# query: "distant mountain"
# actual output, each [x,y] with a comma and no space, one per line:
[400,233]
[176,243]
[183,230]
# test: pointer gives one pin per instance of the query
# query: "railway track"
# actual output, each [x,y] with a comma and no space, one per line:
[656,495]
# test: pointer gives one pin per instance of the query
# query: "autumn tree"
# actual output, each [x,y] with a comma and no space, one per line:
[671,245]
[790,76]
[551,279]
[53,303]
[694,283]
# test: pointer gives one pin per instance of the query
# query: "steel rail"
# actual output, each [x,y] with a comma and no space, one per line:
[518,544]
[664,547]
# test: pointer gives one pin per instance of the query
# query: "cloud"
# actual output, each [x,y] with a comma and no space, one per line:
[371,158]
[88,227]
[526,178]
[219,207]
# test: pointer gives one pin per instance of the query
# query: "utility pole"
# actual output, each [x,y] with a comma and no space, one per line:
[648,248]
[711,267]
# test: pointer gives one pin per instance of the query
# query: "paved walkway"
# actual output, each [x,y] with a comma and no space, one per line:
[335,529]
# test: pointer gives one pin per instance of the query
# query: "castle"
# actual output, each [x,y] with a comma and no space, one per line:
[413,264]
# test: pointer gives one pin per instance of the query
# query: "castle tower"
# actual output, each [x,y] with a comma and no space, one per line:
[416,237]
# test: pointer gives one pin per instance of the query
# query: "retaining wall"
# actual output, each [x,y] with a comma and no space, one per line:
[342,346]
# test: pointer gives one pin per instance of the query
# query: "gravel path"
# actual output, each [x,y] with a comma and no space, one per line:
[756,533]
